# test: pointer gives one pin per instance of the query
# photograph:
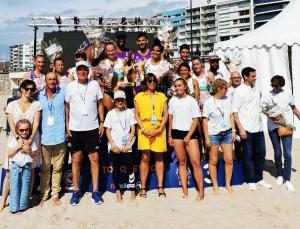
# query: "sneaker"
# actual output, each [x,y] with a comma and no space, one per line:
[97,198]
[75,198]
[289,186]
[264,184]
[279,181]
[252,187]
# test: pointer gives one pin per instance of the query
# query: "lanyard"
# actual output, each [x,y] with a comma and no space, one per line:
[222,113]
[83,97]
[50,105]
[153,104]
[124,128]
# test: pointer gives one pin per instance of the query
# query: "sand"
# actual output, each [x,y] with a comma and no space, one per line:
[275,208]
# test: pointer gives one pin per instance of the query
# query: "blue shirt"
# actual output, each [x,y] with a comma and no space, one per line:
[53,129]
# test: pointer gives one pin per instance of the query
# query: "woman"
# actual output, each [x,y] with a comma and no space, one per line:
[113,71]
[219,131]
[184,71]
[159,67]
[151,114]
[37,75]
[23,108]
[184,116]
[285,100]
[202,79]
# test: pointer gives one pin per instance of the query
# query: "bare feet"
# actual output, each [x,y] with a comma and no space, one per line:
[133,196]
[200,196]
[56,201]
[42,203]
[119,196]
[229,189]
[216,190]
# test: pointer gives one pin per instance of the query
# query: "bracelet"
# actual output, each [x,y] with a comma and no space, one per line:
[233,131]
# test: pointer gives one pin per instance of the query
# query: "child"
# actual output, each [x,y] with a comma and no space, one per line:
[20,155]
[120,131]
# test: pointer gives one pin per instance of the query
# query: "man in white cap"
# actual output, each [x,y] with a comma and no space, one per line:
[83,108]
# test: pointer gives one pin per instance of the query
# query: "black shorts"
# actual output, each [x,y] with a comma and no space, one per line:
[85,141]
[180,134]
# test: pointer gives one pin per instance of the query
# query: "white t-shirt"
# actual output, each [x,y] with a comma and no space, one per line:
[246,102]
[119,123]
[21,159]
[184,110]
[83,100]
[217,112]
[285,100]
[158,70]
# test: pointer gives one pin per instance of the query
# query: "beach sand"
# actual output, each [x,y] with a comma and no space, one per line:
[275,208]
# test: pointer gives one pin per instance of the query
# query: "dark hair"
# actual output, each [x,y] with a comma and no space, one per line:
[82,55]
[184,64]
[37,56]
[141,35]
[278,80]
[58,59]
[246,71]
[146,78]
[26,83]
[157,43]
[184,46]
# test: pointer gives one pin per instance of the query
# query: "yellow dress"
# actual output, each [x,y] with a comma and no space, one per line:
[157,143]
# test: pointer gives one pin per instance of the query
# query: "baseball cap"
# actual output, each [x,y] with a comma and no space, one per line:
[119,95]
[214,57]
[82,63]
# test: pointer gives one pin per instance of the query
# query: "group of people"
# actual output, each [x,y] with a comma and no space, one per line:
[139,96]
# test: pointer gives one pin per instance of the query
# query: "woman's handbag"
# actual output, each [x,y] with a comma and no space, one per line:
[284,131]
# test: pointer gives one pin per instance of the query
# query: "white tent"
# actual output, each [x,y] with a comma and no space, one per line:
[272,49]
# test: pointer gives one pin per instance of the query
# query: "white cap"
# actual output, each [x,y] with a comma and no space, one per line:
[119,95]
[82,63]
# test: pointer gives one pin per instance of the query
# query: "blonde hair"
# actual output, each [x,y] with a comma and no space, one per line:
[218,83]
[24,121]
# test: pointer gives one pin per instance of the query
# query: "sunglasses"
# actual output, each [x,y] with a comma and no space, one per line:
[23,130]
[29,89]
[151,81]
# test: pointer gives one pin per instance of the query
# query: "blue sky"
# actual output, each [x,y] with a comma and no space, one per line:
[14,14]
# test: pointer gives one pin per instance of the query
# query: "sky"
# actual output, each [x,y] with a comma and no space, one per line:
[14,14]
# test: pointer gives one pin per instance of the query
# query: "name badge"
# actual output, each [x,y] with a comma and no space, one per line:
[153,120]
[50,121]
[124,139]
[84,111]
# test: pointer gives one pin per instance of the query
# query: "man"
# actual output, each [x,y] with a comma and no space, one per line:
[62,76]
[121,50]
[247,114]
[143,52]
[184,53]
[83,105]
[80,56]
[235,81]
[213,72]
[53,134]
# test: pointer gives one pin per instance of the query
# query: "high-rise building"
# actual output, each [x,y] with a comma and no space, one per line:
[178,21]
[265,10]
[21,56]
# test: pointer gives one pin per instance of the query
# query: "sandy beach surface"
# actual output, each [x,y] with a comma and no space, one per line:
[275,208]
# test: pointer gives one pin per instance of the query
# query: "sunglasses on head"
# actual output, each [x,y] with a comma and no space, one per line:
[23,130]
[151,81]
[29,89]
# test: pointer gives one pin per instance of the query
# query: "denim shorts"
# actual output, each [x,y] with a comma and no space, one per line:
[223,137]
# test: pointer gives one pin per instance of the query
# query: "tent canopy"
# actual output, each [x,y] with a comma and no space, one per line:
[281,30]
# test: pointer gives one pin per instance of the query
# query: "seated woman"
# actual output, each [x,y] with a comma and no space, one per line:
[219,131]
[184,114]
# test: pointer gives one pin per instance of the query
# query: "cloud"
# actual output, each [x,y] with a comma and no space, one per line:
[14,20]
